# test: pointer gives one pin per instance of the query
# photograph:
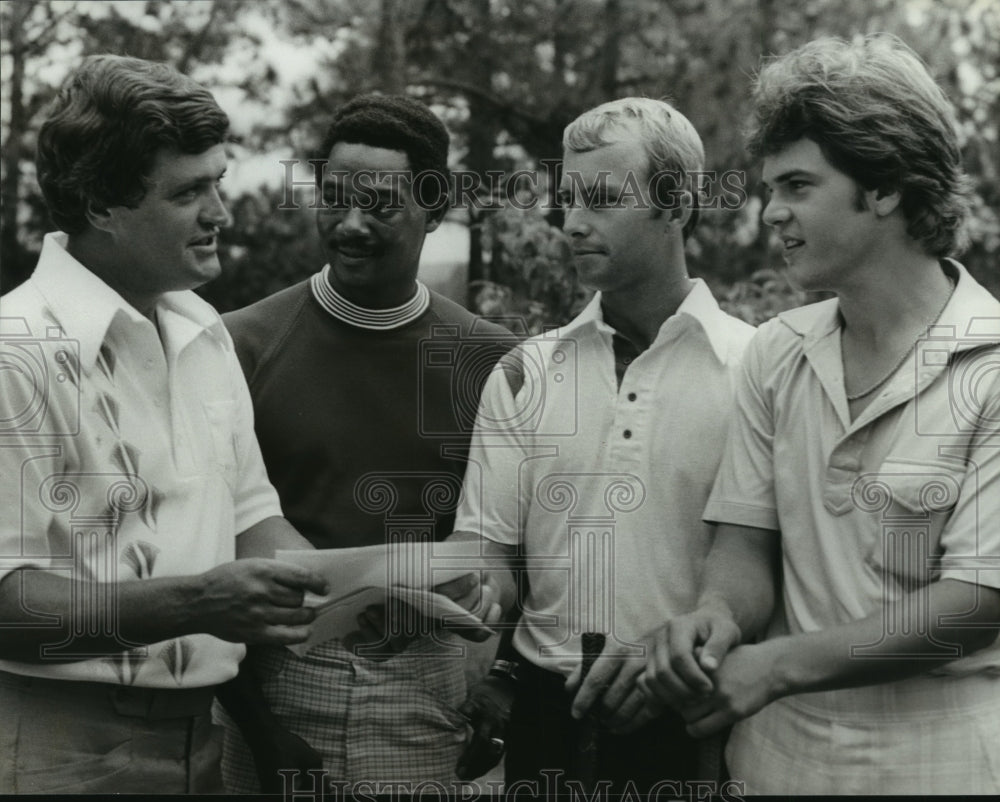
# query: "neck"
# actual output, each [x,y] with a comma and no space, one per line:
[93,250]
[640,315]
[892,298]
[375,297]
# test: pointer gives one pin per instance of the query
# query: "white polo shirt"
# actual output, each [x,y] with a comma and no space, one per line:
[601,486]
[122,458]
[870,509]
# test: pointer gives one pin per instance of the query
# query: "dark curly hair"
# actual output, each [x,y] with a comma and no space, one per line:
[397,122]
[106,125]
[879,117]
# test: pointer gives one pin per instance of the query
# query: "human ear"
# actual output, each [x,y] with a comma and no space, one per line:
[681,211]
[435,217]
[884,201]
[100,217]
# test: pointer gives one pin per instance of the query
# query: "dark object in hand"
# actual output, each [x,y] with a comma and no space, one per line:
[487,708]
[588,743]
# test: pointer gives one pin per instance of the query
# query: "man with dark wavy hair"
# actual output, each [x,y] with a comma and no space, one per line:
[858,499]
[131,476]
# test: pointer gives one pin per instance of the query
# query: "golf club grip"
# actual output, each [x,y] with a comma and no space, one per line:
[587,746]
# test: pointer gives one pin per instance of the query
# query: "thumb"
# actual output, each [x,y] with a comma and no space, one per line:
[714,650]
[573,680]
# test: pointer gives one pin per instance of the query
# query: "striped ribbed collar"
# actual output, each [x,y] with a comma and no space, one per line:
[376,319]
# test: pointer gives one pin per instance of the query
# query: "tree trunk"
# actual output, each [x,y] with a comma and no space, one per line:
[481,132]
[388,55]
[10,252]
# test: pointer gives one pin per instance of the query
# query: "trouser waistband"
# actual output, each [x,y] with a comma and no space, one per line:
[152,704]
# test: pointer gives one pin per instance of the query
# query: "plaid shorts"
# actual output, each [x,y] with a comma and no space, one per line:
[394,720]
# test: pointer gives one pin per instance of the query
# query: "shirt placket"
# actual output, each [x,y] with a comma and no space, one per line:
[632,398]
[845,462]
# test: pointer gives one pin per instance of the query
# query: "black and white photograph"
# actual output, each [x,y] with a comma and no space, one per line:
[586,400]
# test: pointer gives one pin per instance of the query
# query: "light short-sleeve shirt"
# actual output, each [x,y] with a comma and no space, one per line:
[874,508]
[122,458]
[602,487]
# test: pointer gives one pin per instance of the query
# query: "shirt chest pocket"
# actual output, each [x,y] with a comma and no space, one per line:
[220,443]
[909,504]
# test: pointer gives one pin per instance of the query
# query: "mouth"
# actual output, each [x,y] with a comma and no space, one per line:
[588,252]
[354,250]
[206,244]
[791,244]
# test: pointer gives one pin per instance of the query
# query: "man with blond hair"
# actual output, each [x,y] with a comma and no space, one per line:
[599,444]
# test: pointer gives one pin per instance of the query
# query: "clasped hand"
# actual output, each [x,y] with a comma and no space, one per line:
[610,692]
[697,666]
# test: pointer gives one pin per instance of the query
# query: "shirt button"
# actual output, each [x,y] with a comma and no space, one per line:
[631,396]
[627,434]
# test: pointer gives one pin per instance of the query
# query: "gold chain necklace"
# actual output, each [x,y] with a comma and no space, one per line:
[894,368]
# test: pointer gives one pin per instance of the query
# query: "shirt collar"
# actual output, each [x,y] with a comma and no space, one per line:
[970,319]
[361,317]
[699,305]
[84,307]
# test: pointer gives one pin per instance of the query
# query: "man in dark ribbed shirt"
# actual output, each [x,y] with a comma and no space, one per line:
[365,386]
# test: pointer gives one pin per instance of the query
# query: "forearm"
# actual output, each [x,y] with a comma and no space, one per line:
[832,658]
[496,560]
[40,609]
[741,575]
[264,538]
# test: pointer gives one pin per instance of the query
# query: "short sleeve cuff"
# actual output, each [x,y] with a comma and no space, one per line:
[741,514]
[264,503]
[987,576]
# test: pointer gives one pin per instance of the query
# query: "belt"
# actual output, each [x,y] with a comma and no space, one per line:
[152,704]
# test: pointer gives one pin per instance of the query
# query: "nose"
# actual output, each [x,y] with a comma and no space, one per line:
[353,221]
[575,222]
[775,212]
[214,211]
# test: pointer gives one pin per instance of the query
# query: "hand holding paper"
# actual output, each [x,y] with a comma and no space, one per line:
[390,594]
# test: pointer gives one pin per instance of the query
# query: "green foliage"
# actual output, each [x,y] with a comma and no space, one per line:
[761,296]
[506,75]
[532,273]
[266,249]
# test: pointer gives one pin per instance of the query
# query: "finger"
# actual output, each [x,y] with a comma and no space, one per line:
[293,576]
[293,616]
[626,711]
[681,645]
[494,614]
[459,587]
[592,688]
[621,687]
[711,724]
[660,680]
[697,710]
[643,716]
[277,635]
[573,680]
[719,643]
[285,596]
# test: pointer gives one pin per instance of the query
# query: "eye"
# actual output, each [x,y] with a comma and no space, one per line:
[797,183]
[386,207]
[602,200]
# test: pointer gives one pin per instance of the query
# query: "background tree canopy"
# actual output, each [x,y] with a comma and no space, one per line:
[506,77]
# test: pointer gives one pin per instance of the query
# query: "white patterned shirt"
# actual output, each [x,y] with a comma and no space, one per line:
[122,458]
